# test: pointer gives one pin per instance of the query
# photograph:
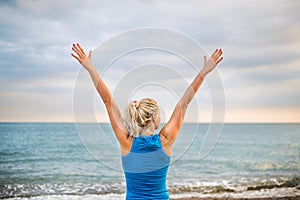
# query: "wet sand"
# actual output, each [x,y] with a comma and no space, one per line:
[228,198]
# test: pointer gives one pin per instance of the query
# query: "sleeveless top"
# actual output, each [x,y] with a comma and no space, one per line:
[145,168]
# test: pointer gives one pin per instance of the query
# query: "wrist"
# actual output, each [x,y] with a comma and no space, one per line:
[90,68]
[203,73]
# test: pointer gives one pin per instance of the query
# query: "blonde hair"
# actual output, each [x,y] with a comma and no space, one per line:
[138,115]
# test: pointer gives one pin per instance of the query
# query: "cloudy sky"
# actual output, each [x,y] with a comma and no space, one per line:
[260,39]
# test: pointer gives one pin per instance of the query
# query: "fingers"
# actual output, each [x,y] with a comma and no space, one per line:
[80,48]
[79,57]
[219,53]
[219,60]
[205,59]
[75,56]
[90,55]
[216,55]
[76,50]
[79,51]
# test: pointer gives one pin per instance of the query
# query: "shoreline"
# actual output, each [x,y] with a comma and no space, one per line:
[263,194]
[231,198]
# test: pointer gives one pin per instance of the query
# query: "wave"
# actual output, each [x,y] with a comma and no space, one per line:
[251,166]
[264,166]
[27,191]
[10,153]
[211,189]
[294,182]
[24,190]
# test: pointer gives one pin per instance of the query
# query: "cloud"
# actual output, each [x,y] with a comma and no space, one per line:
[260,42]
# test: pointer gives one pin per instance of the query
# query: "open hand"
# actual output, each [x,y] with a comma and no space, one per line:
[85,61]
[210,64]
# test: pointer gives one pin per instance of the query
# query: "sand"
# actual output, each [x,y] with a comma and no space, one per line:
[226,198]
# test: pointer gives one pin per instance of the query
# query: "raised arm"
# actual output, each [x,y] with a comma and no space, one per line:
[172,127]
[111,106]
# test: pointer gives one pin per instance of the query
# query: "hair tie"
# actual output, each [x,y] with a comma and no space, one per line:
[135,103]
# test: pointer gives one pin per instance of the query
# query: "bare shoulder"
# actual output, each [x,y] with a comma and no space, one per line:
[168,134]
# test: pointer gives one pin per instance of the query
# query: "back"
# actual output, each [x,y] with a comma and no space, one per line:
[146,168]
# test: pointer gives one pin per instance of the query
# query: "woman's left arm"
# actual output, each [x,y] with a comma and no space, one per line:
[172,127]
[112,108]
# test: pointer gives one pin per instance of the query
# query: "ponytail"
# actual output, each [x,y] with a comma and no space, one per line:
[138,114]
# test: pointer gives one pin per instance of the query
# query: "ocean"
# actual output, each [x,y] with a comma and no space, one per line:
[52,161]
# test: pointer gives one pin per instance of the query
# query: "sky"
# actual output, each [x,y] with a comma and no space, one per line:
[260,71]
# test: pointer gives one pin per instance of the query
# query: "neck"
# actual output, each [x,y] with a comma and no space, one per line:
[148,131]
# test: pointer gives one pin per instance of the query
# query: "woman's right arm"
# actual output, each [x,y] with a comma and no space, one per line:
[172,127]
[106,96]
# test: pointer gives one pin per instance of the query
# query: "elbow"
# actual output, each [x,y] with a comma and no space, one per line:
[107,101]
[182,108]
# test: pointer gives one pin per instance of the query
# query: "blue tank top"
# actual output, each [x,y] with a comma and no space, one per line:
[145,168]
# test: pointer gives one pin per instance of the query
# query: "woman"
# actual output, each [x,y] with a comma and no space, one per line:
[145,155]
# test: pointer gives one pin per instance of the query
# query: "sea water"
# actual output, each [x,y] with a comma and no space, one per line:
[53,161]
